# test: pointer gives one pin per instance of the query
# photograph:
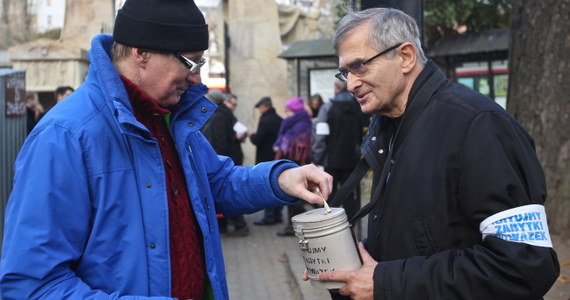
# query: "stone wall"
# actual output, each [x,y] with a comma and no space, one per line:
[259,31]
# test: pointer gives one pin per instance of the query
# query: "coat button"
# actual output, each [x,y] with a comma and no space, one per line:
[148,185]
[204,109]
[191,124]
[375,216]
[152,245]
[373,138]
[381,151]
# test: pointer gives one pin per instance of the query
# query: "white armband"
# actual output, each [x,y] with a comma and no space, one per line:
[322,128]
[524,224]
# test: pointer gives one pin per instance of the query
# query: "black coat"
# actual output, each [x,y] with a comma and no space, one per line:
[266,134]
[463,160]
[220,133]
[339,148]
[346,122]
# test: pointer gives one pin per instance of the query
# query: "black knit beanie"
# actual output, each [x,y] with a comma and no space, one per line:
[162,25]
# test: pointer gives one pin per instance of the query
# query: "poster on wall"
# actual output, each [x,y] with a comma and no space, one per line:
[15,95]
[321,82]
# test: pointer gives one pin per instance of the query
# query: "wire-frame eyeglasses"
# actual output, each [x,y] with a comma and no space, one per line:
[360,68]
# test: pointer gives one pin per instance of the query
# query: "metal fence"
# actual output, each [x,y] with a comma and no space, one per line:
[12,131]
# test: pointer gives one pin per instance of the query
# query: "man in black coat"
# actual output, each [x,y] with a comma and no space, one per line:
[226,141]
[220,128]
[263,139]
[338,136]
[457,208]
[267,130]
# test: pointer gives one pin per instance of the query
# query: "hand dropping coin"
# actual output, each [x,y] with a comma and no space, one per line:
[327,208]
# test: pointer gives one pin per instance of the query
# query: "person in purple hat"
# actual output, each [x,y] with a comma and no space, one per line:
[129,212]
[294,143]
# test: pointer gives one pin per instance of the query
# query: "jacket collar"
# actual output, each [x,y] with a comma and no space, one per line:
[425,86]
[270,111]
[428,78]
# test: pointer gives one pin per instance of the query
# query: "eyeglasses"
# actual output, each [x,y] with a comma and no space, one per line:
[194,67]
[360,68]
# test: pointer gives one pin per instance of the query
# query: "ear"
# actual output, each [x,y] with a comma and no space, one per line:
[140,56]
[408,57]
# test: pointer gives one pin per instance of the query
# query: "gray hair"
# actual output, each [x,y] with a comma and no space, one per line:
[119,52]
[388,26]
[340,85]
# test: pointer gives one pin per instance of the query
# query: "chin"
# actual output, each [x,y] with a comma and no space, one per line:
[366,109]
[169,102]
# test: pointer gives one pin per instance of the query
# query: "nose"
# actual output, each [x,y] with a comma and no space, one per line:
[352,83]
[194,78]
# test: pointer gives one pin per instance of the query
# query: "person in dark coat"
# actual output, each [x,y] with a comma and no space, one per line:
[219,131]
[61,92]
[457,208]
[34,111]
[267,130]
[315,103]
[339,132]
[263,139]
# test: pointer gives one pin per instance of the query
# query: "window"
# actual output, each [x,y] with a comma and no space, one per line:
[476,76]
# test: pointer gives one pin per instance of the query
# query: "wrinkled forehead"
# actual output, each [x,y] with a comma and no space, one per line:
[355,48]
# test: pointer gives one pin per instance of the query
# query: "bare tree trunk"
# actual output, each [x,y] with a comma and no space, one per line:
[4,24]
[19,25]
[100,16]
[16,22]
[539,93]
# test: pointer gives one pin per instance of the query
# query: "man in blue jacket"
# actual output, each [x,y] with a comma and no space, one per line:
[116,191]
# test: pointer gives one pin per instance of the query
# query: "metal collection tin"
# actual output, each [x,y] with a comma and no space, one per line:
[326,243]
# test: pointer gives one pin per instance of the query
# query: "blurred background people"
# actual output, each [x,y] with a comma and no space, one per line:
[61,92]
[219,131]
[34,110]
[336,146]
[263,139]
[315,103]
[294,143]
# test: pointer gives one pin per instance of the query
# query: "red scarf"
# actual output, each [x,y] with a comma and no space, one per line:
[186,250]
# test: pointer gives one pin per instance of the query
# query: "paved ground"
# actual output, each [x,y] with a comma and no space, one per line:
[258,265]
[265,266]
[561,289]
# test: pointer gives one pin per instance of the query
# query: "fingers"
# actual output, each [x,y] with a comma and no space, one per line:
[366,258]
[319,183]
[299,182]
[319,178]
[310,197]
[305,275]
[333,276]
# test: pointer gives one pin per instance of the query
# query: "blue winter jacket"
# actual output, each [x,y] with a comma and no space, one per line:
[88,215]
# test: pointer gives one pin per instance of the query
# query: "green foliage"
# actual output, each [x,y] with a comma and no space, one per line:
[342,10]
[53,34]
[444,17]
